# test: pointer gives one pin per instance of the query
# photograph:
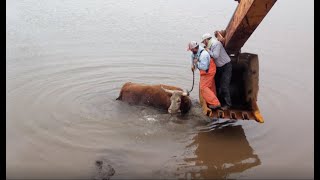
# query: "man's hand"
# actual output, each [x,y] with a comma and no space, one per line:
[219,36]
[192,68]
[216,34]
[195,61]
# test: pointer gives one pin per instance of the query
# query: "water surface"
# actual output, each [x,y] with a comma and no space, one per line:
[67,60]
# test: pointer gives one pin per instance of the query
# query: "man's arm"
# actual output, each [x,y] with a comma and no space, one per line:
[209,51]
[215,50]
[220,36]
[193,64]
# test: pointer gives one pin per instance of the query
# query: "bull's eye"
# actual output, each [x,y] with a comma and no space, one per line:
[179,101]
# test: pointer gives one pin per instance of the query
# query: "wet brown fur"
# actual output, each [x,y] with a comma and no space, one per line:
[151,95]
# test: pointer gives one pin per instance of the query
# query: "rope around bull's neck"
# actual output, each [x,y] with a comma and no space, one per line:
[192,84]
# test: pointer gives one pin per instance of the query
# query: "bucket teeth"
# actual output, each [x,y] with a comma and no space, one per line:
[233,115]
[245,116]
[220,114]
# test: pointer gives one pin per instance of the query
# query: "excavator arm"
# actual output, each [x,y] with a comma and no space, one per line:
[246,18]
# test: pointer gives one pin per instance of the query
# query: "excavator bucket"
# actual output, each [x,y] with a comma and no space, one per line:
[244,84]
[244,89]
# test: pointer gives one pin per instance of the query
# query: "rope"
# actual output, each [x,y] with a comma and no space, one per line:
[192,84]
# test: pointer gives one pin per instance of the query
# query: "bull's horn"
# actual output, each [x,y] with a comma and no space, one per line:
[167,90]
[185,94]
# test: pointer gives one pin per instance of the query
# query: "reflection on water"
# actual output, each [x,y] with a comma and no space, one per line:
[218,153]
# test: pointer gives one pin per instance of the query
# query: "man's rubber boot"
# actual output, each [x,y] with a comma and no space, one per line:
[214,107]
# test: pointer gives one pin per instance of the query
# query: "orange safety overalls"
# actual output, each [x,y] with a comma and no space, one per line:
[208,85]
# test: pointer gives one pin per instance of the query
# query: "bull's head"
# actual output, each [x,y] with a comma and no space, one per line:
[175,99]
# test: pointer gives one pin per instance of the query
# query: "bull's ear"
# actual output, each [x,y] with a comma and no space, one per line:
[167,90]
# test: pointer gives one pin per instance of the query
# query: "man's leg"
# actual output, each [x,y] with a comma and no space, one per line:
[206,84]
[213,86]
[217,78]
[225,83]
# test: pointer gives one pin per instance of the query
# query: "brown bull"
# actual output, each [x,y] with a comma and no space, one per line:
[160,96]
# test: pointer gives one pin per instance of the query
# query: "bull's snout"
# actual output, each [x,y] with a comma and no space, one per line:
[172,112]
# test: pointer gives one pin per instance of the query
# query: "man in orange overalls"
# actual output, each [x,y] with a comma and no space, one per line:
[207,68]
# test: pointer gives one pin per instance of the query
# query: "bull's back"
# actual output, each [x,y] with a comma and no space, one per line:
[151,95]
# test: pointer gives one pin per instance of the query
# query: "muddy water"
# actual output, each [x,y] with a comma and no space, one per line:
[67,60]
